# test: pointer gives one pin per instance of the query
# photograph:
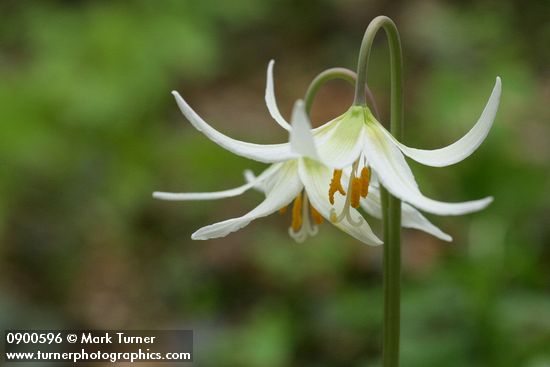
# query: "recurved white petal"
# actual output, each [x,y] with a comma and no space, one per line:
[301,139]
[249,176]
[316,179]
[271,103]
[463,147]
[410,217]
[270,98]
[340,144]
[394,173]
[267,153]
[188,196]
[286,188]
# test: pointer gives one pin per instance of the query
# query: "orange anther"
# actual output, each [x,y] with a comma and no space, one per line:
[355,192]
[365,180]
[317,218]
[297,213]
[335,185]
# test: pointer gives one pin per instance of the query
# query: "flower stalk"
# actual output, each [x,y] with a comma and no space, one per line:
[391,206]
[348,148]
[336,73]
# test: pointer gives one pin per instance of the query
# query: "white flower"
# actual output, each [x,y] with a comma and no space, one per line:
[295,176]
[357,139]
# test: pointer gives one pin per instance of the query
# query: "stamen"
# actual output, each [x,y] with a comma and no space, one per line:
[297,213]
[283,210]
[365,180]
[355,192]
[317,218]
[352,199]
[301,226]
[311,230]
[335,185]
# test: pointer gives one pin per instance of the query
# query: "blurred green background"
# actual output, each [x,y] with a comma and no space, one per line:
[89,130]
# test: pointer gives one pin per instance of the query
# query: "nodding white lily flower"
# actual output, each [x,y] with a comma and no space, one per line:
[295,176]
[371,203]
[356,139]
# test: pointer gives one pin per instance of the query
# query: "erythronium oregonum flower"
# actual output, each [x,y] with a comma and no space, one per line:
[371,203]
[296,175]
[356,139]
[364,191]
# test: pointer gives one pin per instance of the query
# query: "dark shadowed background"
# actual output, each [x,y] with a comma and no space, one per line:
[89,130]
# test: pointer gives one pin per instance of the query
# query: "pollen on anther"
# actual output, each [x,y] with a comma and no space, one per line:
[297,213]
[315,215]
[335,185]
[365,180]
[355,192]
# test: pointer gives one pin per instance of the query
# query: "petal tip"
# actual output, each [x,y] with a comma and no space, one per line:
[376,243]
[177,96]
[198,237]
[484,203]
[498,84]
[161,195]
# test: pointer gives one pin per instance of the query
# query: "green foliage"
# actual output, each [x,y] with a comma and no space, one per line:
[89,130]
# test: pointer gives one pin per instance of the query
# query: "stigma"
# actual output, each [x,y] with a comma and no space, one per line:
[358,187]
[305,218]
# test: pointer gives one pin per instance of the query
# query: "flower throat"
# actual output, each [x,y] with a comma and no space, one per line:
[358,187]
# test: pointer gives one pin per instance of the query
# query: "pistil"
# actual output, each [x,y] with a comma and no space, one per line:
[305,219]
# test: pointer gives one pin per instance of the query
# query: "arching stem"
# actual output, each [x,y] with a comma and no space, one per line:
[391,206]
[336,73]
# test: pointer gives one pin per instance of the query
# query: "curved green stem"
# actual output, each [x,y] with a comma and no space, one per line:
[335,73]
[391,206]
[322,78]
